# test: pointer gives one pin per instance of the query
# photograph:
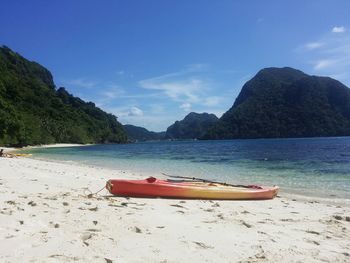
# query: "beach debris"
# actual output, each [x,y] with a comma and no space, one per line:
[312,232]
[287,220]
[313,242]
[93,230]
[179,206]
[65,258]
[137,230]
[32,203]
[108,260]
[86,236]
[221,216]
[95,222]
[210,221]
[246,224]
[202,245]
[338,217]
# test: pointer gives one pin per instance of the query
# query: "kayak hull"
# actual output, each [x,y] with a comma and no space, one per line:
[152,187]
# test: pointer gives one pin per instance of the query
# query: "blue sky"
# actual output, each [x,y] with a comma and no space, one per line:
[152,62]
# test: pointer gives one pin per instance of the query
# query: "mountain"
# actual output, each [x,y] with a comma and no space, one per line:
[193,126]
[32,111]
[285,102]
[136,133]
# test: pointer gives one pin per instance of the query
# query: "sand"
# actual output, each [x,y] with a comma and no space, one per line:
[46,216]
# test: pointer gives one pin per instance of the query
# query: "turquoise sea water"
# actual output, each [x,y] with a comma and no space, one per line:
[311,166]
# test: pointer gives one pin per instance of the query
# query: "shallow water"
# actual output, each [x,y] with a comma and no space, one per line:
[311,166]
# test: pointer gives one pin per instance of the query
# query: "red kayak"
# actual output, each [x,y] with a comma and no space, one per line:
[153,187]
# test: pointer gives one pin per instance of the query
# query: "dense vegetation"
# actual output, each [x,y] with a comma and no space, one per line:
[193,126]
[136,133]
[32,111]
[284,102]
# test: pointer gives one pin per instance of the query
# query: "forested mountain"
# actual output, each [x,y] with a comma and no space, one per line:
[193,126]
[285,102]
[32,111]
[136,133]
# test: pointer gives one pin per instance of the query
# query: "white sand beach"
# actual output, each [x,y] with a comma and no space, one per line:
[46,216]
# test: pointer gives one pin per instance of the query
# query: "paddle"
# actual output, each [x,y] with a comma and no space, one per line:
[212,182]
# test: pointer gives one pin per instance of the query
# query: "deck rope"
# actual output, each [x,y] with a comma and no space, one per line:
[91,194]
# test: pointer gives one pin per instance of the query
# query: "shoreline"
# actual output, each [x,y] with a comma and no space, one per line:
[55,145]
[329,198]
[46,216]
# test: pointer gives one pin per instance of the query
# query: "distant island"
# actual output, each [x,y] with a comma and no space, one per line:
[285,102]
[193,126]
[33,111]
[136,133]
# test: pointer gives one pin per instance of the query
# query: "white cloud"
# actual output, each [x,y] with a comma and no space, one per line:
[113,92]
[120,72]
[178,90]
[212,101]
[125,111]
[198,67]
[134,111]
[191,88]
[186,106]
[156,108]
[330,54]
[324,63]
[313,45]
[338,29]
